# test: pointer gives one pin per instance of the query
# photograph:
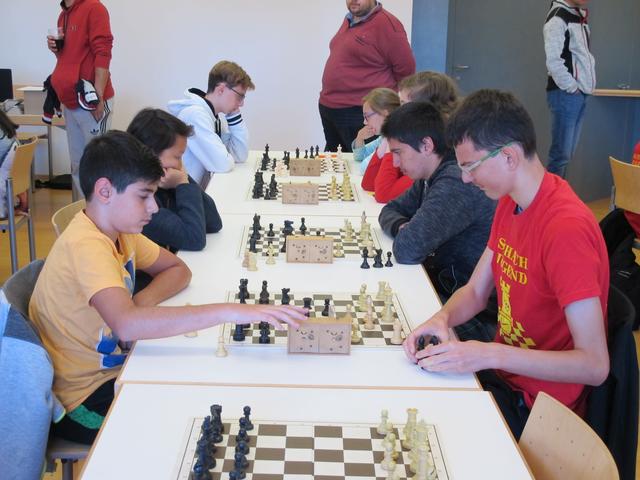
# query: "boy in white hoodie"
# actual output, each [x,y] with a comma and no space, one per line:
[220,135]
[572,77]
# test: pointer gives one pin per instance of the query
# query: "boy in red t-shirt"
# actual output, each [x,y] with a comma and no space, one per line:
[634,218]
[546,259]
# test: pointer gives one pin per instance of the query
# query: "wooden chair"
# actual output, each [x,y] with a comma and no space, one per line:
[625,193]
[62,217]
[557,444]
[20,181]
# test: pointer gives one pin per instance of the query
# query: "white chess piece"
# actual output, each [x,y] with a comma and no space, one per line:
[253,262]
[339,155]
[384,421]
[368,318]
[397,333]
[391,440]
[387,312]
[221,351]
[422,469]
[419,441]
[381,287]
[407,431]
[245,259]
[332,311]
[356,337]
[394,474]
[271,260]
[388,463]
[362,298]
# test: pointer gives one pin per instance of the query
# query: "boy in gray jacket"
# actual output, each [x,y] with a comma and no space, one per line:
[440,221]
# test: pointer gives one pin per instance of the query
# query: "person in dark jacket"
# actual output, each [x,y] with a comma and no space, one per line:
[439,221]
[186,213]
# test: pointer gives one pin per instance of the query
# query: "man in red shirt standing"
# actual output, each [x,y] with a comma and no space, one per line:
[546,259]
[370,50]
[84,54]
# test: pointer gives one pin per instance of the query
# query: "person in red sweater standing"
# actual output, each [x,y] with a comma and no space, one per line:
[381,177]
[369,50]
[83,54]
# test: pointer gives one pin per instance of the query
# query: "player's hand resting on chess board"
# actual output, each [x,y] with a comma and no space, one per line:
[275,315]
[436,326]
[457,357]
[173,177]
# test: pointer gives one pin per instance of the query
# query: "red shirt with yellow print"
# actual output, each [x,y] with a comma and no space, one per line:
[544,258]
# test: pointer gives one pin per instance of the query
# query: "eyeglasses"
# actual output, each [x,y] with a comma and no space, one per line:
[470,167]
[241,95]
[367,116]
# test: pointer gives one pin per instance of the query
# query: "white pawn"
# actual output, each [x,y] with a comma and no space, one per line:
[270,256]
[349,313]
[368,318]
[387,312]
[407,431]
[245,259]
[422,471]
[362,298]
[339,156]
[384,423]
[381,287]
[356,337]
[397,333]
[221,351]
[332,311]
[388,293]
[394,474]
[252,266]
[388,463]
[391,440]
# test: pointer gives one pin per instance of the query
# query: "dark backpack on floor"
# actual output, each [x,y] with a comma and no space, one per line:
[624,271]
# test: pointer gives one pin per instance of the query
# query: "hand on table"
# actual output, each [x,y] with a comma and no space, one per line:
[435,326]
[457,357]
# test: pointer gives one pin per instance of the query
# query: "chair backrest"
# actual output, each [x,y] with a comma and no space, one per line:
[63,216]
[21,169]
[19,286]
[557,444]
[626,180]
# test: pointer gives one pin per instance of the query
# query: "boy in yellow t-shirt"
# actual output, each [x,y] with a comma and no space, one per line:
[83,302]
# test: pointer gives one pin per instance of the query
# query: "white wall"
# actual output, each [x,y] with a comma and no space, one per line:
[162,47]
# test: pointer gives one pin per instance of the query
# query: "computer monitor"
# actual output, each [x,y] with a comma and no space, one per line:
[6,84]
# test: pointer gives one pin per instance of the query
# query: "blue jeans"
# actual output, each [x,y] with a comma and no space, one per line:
[567,113]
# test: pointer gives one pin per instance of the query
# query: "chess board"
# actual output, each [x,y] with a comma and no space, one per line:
[379,336]
[302,450]
[329,165]
[351,249]
[323,193]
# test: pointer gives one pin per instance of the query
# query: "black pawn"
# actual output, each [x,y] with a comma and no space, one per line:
[421,343]
[303,227]
[389,262]
[434,340]
[238,333]
[247,416]
[306,154]
[233,475]
[317,150]
[271,233]
[286,299]
[283,249]
[264,294]
[242,447]
[242,435]
[365,256]
[297,152]
[377,261]
[200,472]
[240,461]
[325,310]
[252,245]
[264,336]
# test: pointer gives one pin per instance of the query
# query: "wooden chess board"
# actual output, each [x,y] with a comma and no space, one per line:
[323,193]
[307,451]
[352,249]
[379,336]
[329,165]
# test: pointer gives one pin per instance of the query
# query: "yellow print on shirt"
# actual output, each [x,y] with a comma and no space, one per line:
[511,332]
[511,263]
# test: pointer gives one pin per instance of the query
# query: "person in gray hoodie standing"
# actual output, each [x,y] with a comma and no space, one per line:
[439,221]
[572,77]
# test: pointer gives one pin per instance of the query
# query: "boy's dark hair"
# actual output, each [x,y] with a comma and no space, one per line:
[491,119]
[7,127]
[121,158]
[158,129]
[413,122]
[230,73]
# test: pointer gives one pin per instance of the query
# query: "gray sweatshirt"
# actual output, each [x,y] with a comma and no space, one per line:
[447,223]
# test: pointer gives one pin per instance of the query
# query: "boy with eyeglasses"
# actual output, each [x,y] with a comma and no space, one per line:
[220,137]
[439,221]
[547,260]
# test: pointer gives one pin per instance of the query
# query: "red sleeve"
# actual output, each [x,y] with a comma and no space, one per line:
[390,182]
[369,178]
[100,37]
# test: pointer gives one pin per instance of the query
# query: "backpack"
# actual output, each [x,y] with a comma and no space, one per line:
[623,269]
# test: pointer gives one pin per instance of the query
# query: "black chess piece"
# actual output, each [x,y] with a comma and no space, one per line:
[306,303]
[317,150]
[256,222]
[377,261]
[216,414]
[311,155]
[365,256]
[200,472]
[242,447]
[238,469]
[247,416]
[271,233]
[233,475]
[264,335]
[434,340]
[240,460]
[288,227]
[252,245]
[303,227]
[257,191]
[238,333]
[389,262]
[264,294]
[266,195]
[297,152]
[421,343]
[286,299]
[273,164]
[325,310]
[283,249]
[266,148]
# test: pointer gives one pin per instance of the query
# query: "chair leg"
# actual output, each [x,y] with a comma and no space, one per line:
[12,227]
[67,469]
[32,238]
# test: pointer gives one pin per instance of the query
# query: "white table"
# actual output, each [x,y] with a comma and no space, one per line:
[145,430]
[216,273]
[232,193]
